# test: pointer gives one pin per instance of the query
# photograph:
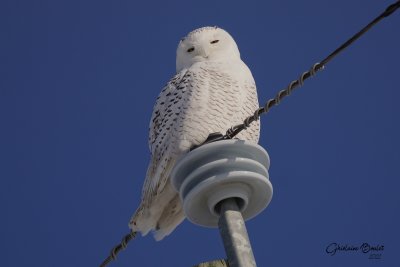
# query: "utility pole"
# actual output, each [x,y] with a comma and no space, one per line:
[234,235]
[222,184]
[216,263]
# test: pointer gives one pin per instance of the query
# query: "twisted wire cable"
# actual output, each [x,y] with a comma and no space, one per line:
[121,246]
[234,130]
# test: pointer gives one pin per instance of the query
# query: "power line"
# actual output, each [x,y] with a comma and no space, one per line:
[234,130]
[118,248]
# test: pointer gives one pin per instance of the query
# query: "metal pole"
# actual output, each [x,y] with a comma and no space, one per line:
[234,235]
[217,263]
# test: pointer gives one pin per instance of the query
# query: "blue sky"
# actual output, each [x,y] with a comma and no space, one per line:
[78,80]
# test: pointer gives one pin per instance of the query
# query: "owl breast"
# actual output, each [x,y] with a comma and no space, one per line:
[218,96]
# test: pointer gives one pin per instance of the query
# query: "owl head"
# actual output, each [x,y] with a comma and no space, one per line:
[205,44]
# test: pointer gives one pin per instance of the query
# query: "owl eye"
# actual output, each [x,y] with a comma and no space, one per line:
[190,49]
[214,42]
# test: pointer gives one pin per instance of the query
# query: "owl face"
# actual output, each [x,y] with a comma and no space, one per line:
[205,44]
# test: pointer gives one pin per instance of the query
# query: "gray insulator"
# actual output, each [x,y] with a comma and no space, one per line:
[221,170]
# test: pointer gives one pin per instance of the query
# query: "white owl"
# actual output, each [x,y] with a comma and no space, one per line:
[212,91]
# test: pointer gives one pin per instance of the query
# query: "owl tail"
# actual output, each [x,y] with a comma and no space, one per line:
[171,217]
[141,222]
[162,216]
[169,220]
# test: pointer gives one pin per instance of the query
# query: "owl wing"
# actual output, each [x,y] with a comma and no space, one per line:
[163,134]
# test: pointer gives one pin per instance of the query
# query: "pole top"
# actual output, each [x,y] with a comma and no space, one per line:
[220,170]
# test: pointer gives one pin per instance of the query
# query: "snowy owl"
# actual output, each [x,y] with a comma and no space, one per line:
[212,90]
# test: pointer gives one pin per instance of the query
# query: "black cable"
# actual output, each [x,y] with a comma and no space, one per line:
[118,248]
[234,130]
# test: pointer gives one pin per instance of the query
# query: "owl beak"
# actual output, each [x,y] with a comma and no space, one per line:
[205,52]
